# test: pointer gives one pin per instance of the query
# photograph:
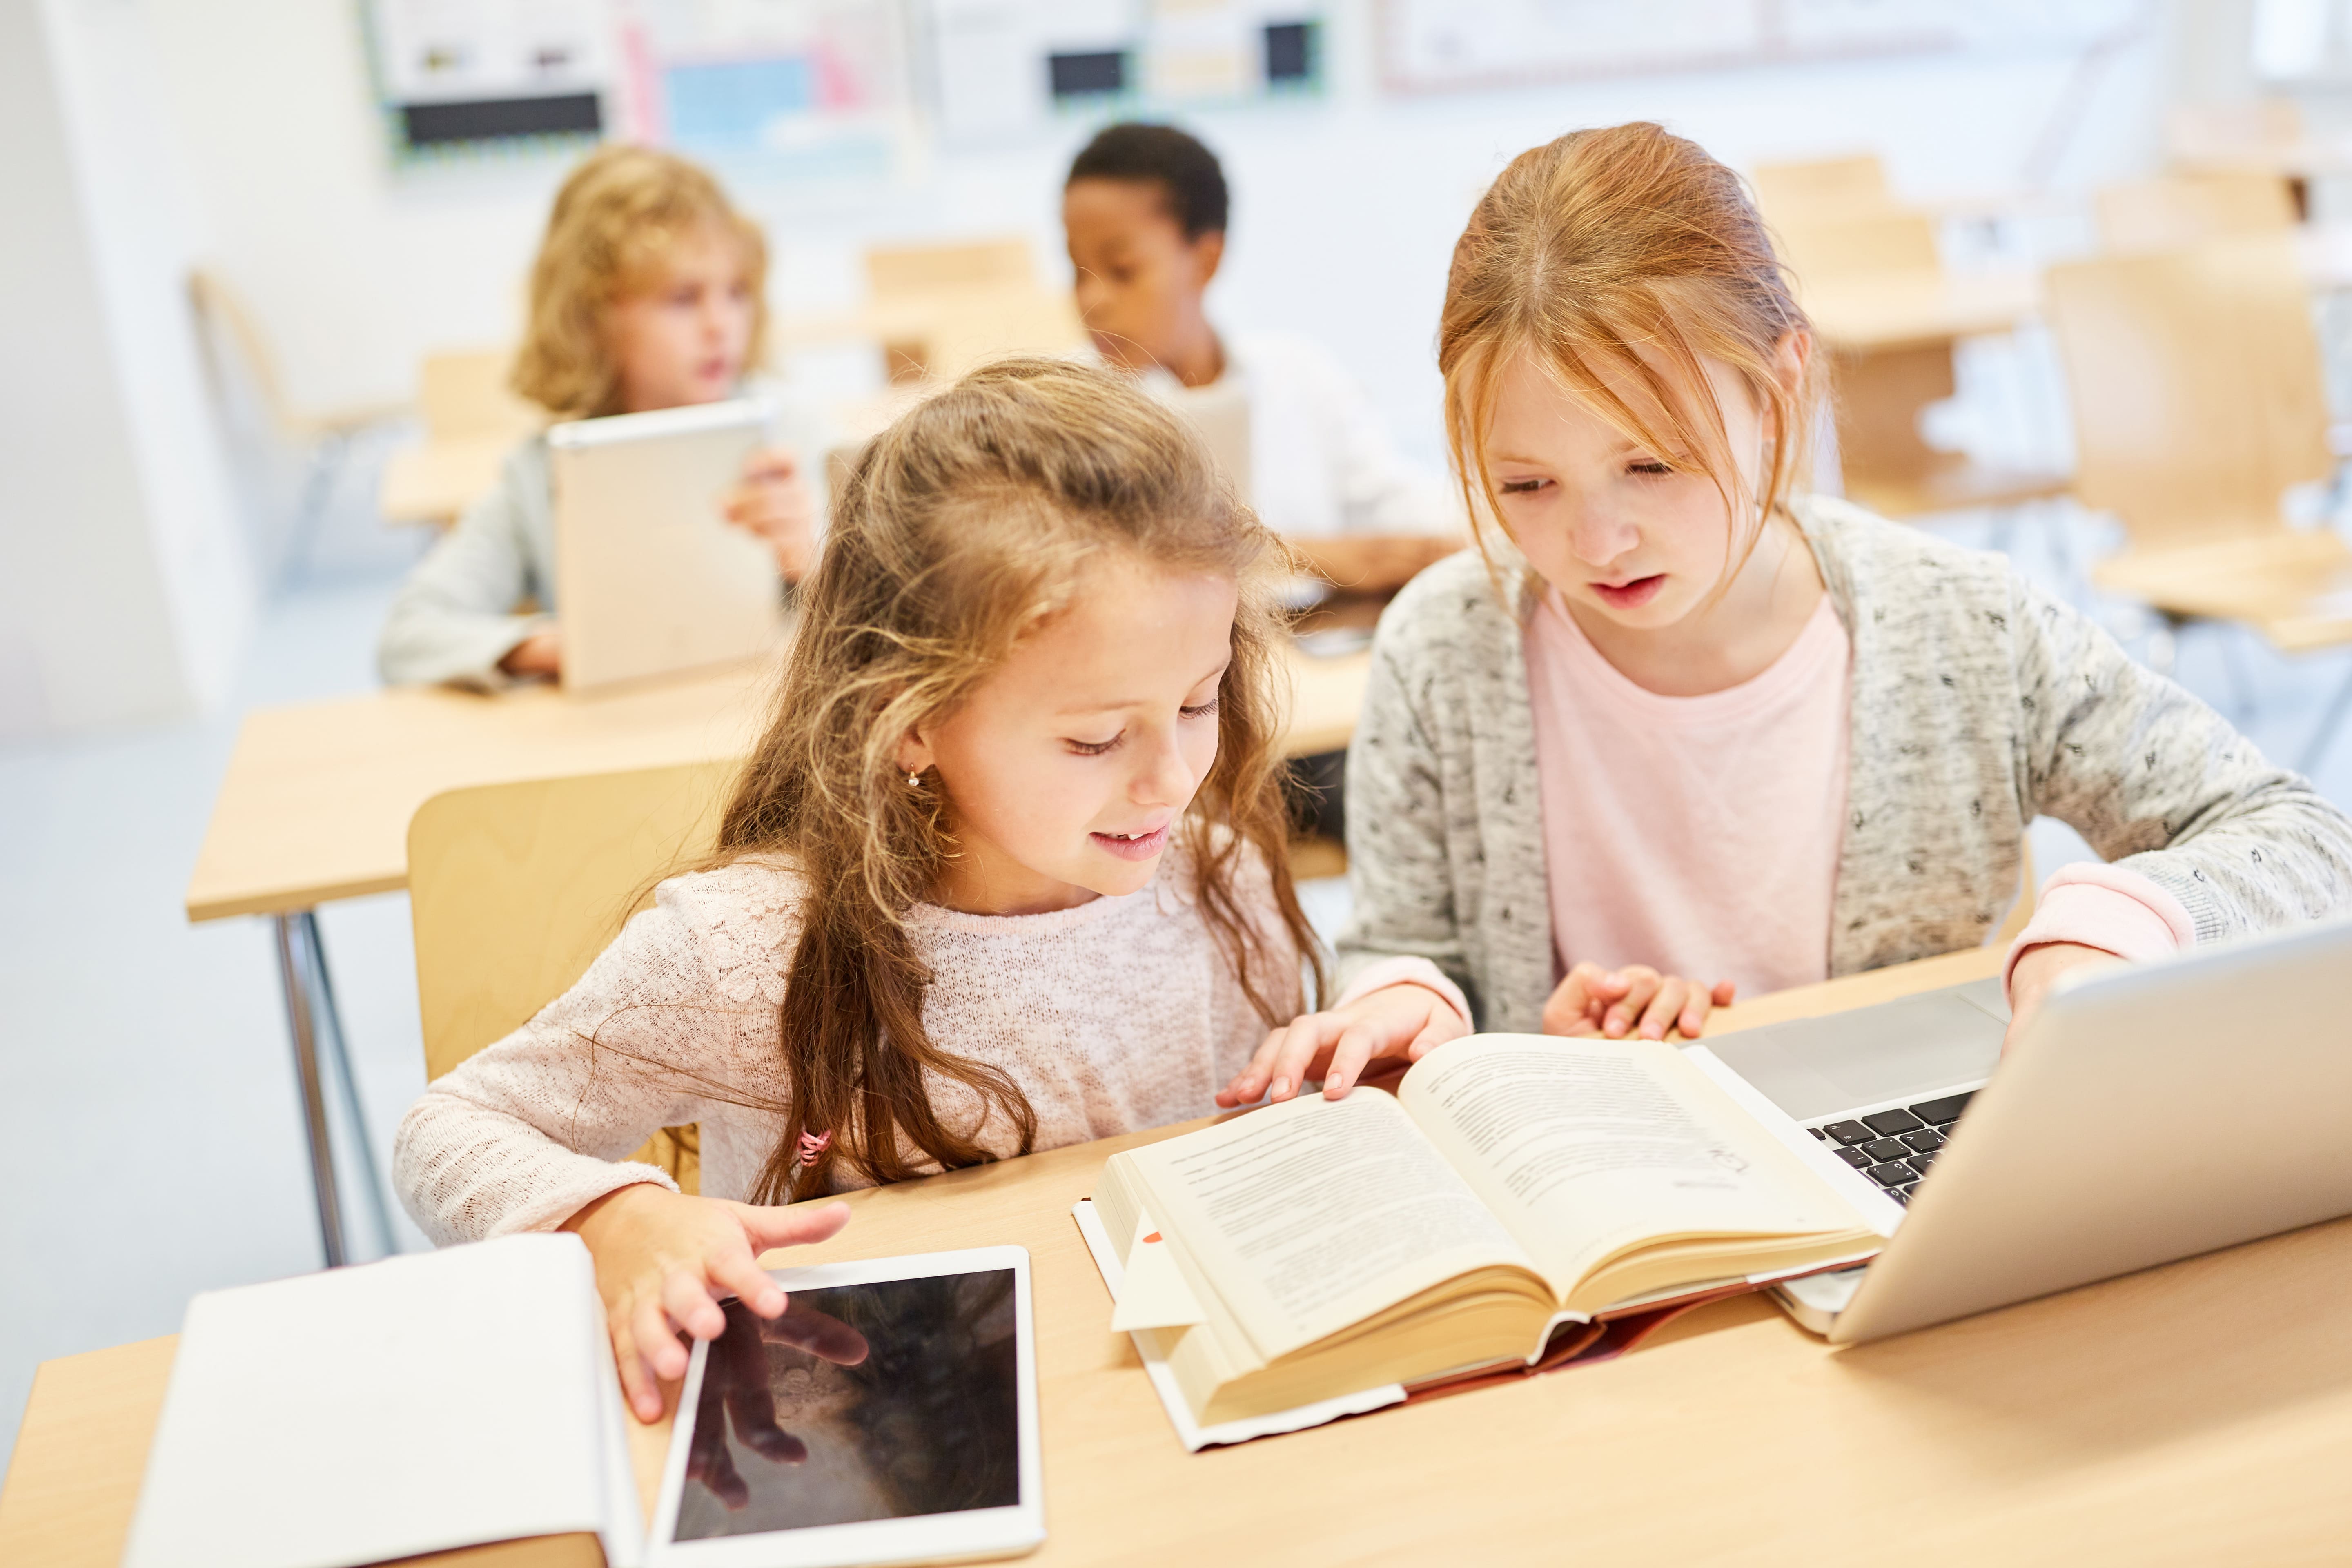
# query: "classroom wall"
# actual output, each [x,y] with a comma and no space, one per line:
[125,591]
[1344,208]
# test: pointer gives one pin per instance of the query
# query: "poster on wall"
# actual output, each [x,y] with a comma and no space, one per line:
[1004,67]
[802,87]
[458,76]
[817,88]
[1440,45]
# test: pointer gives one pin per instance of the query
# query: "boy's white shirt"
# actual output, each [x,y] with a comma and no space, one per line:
[1321,460]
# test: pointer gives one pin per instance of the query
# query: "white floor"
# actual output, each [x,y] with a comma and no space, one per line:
[145,1080]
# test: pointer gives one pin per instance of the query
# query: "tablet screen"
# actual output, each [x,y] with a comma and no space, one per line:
[882,1400]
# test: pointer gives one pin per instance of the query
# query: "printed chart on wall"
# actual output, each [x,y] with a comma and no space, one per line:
[1439,45]
[802,87]
[799,87]
[1003,67]
[459,77]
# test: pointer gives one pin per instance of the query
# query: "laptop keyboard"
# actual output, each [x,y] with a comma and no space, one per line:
[1894,1148]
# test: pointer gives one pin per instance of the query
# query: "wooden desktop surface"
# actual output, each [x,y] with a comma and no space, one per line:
[1868,313]
[437,479]
[2196,1414]
[318,796]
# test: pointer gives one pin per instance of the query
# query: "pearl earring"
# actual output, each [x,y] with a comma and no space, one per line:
[914,780]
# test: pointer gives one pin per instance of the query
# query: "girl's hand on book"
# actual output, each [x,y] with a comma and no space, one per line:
[1404,1022]
[1614,1002]
[662,1260]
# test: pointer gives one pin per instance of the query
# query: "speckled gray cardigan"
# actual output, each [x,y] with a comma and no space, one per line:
[1979,703]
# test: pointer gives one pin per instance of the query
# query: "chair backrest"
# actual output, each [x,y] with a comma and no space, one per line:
[914,272]
[2196,386]
[1787,189]
[2230,134]
[514,889]
[2190,207]
[1826,245]
[464,396]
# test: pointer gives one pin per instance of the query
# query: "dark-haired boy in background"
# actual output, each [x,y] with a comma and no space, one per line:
[1144,210]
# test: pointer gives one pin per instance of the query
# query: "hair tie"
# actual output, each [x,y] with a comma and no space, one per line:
[815,1143]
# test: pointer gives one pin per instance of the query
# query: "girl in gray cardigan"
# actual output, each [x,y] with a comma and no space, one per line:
[1677,718]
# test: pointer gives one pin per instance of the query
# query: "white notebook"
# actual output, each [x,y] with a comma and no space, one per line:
[422,1403]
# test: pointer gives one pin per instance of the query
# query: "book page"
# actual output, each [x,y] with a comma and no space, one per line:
[1312,1214]
[1583,1147]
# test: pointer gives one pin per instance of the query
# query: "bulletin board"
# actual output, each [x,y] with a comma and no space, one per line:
[1444,46]
[1003,67]
[819,87]
[459,78]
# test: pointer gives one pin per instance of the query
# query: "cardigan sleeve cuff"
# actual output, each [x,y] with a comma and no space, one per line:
[2105,907]
[1406,970]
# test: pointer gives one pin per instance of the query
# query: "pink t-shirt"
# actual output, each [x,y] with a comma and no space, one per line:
[1698,835]
[1701,834]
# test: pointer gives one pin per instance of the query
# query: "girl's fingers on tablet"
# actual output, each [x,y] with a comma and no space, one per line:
[656,1342]
[690,1306]
[640,1381]
[769,1226]
[739,1271]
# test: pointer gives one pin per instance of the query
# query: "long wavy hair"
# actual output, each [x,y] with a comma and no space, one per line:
[959,530]
[1626,253]
[609,234]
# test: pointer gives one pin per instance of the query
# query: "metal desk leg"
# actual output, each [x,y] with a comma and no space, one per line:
[294,971]
[329,1017]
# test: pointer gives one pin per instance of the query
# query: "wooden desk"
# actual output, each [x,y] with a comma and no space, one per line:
[318,797]
[2196,1414]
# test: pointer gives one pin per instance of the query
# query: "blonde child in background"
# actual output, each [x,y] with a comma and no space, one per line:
[1756,735]
[1006,871]
[649,291]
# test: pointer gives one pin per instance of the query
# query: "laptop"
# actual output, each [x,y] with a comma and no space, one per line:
[650,578]
[2147,1114]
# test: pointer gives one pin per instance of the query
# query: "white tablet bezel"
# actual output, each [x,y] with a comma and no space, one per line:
[972,1535]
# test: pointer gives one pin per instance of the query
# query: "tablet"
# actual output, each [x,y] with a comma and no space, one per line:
[890,1416]
[651,580]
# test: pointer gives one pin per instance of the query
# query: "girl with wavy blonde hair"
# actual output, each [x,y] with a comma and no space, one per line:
[649,291]
[1005,872]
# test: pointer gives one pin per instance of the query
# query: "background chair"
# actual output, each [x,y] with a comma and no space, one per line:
[2198,403]
[1881,390]
[514,889]
[472,419]
[2192,206]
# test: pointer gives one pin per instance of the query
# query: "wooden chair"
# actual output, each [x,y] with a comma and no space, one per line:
[2191,206]
[1882,391]
[514,889]
[939,309]
[1857,183]
[2198,402]
[2267,134]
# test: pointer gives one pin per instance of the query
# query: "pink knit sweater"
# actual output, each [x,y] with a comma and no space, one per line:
[1117,1014]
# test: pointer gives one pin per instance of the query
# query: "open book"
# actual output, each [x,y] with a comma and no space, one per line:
[1513,1183]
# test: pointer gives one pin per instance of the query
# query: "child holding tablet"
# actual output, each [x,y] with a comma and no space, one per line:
[1145,209]
[1757,735]
[1006,871]
[648,293]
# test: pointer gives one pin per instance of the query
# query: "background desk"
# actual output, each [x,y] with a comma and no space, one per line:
[318,797]
[2196,1414]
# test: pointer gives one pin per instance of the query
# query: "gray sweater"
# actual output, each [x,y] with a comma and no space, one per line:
[1979,703]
